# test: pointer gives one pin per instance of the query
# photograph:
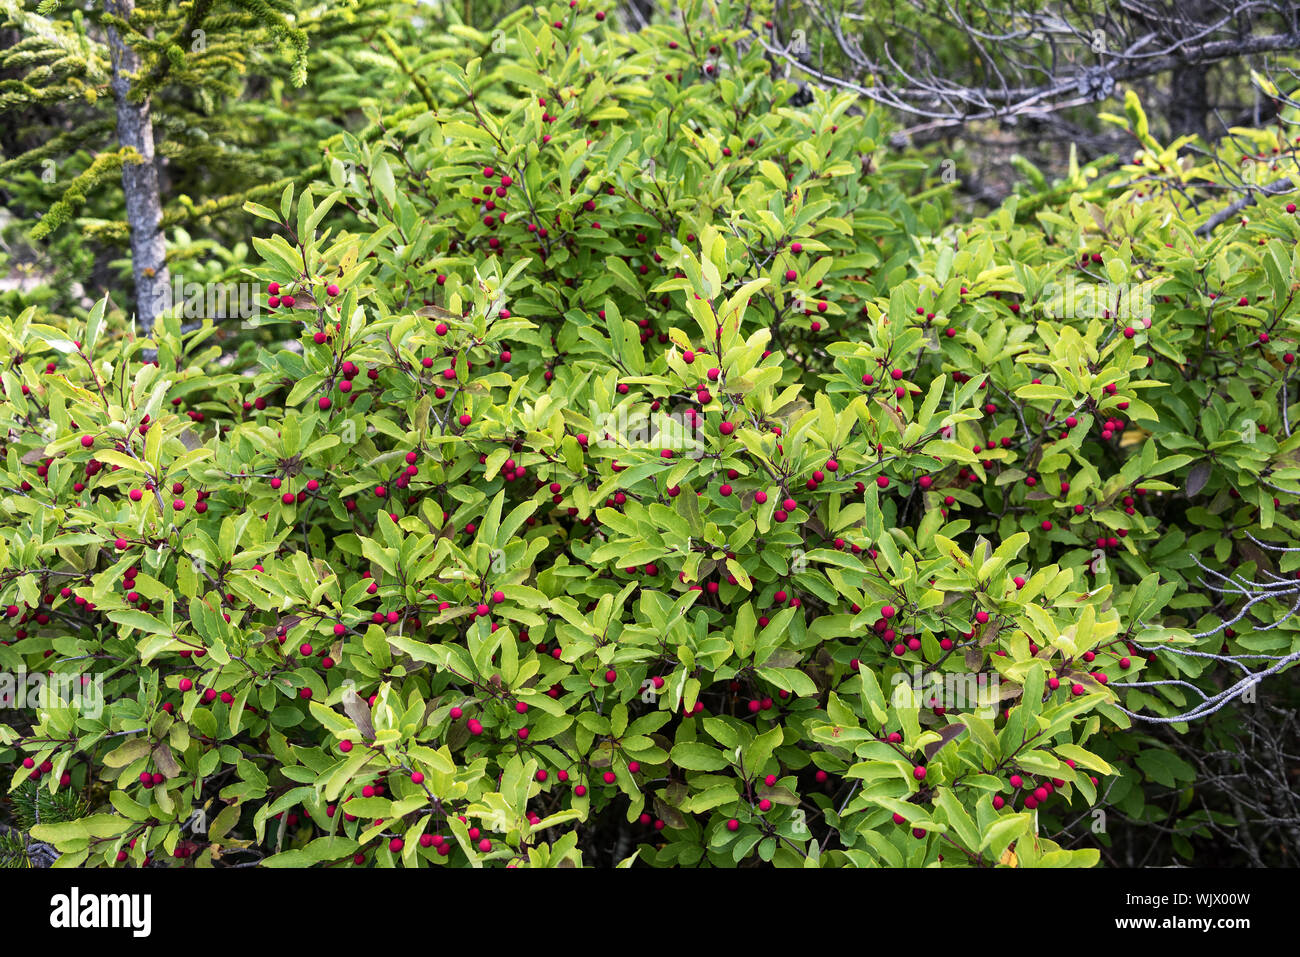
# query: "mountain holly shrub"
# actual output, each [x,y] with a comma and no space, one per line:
[627,449]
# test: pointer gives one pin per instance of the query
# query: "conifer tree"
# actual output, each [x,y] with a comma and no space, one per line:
[129,122]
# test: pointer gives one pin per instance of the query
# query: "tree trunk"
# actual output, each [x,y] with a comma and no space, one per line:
[1189,101]
[139,180]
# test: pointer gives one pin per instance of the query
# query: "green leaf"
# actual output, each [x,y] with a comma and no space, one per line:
[693,756]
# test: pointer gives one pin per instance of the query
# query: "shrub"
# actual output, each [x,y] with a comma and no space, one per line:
[638,451]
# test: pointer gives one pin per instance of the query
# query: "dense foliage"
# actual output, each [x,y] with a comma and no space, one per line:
[622,457]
